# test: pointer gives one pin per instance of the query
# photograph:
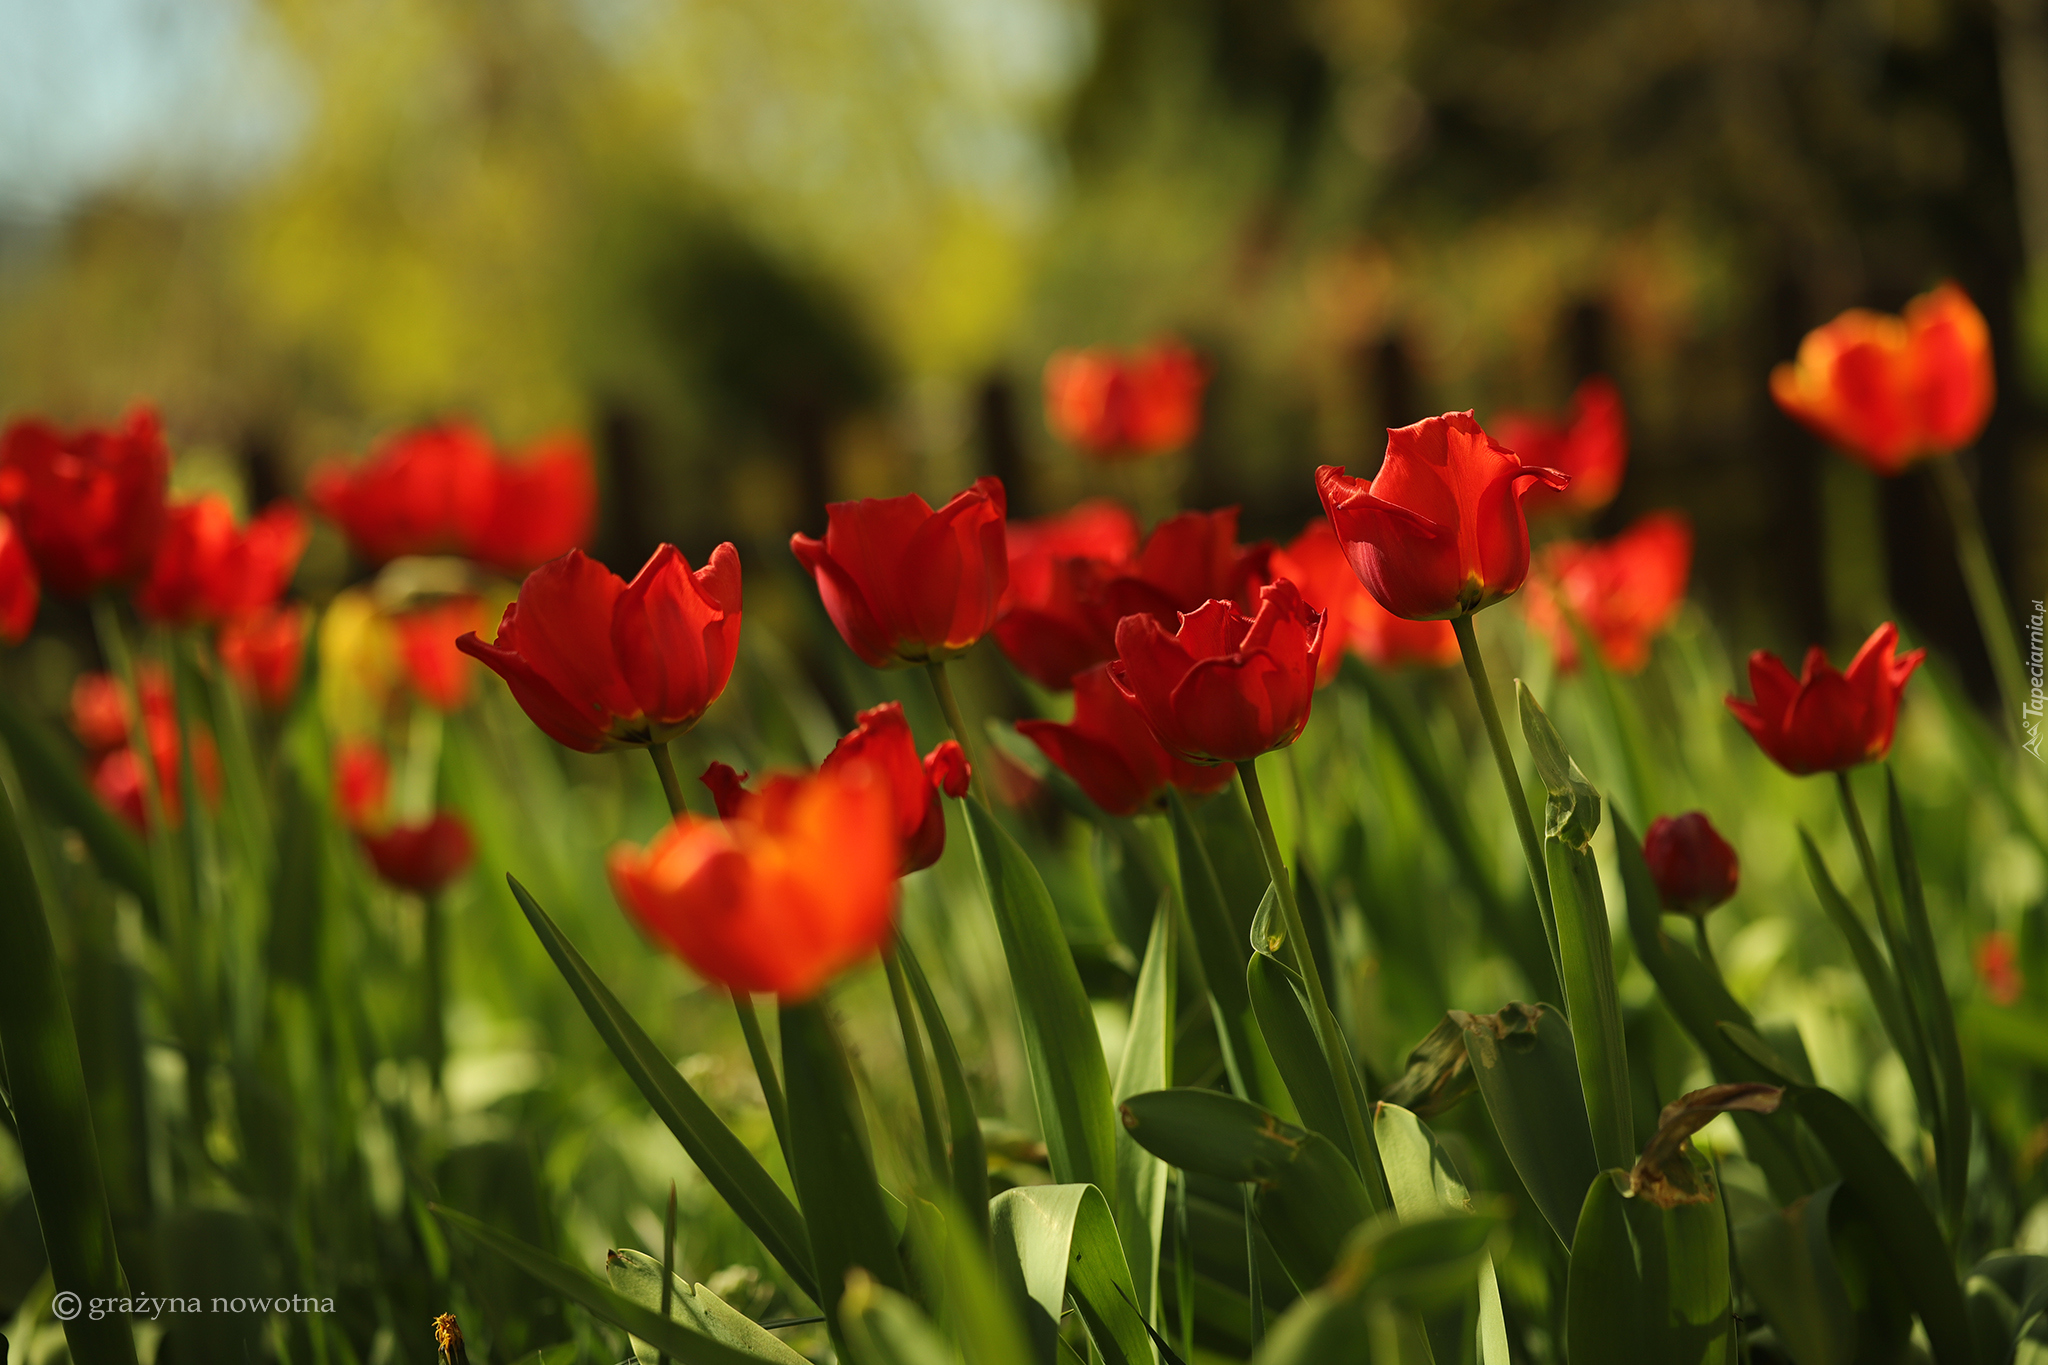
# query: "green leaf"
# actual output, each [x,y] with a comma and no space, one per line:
[881,1327]
[952,1257]
[636,1277]
[684,1345]
[835,1175]
[1069,1077]
[1217,947]
[970,1151]
[727,1164]
[1528,1072]
[57,782]
[1297,1053]
[1147,1064]
[52,1115]
[1420,1176]
[1052,1241]
[1922,977]
[1788,1265]
[1647,1283]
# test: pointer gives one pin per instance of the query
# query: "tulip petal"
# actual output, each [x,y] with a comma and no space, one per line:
[558,718]
[846,602]
[674,642]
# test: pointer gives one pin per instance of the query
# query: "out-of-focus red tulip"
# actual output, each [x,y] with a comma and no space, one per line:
[1315,562]
[1825,721]
[1117,406]
[1623,591]
[362,784]
[264,650]
[437,670]
[908,585]
[1998,966]
[207,569]
[1693,866]
[598,663]
[1111,753]
[882,739]
[796,885]
[1590,445]
[1888,390]
[446,490]
[89,504]
[422,858]
[100,713]
[21,591]
[1439,531]
[1098,530]
[1225,687]
[100,716]
[1066,597]
[542,507]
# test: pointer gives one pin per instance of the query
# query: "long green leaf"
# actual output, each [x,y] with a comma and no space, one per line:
[969,1153]
[881,1327]
[637,1276]
[835,1175]
[52,1115]
[1069,1077]
[685,1345]
[57,782]
[1921,975]
[1788,1265]
[951,1253]
[1528,1072]
[1147,1064]
[1291,1041]
[1219,948]
[1647,1283]
[1053,1241]
[724,1159]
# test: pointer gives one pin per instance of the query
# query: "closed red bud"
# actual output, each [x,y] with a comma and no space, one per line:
[21,591]
[1889,390]
[598,663]
[89,504]
[908,585]
[207,569]
[1439,531]
[1622,591]
[1693,866]
[1590,445]
[1111,753]
[796,885]
[264,651]
[422,858]
[1120,406]
[1825,721]
[1224,687]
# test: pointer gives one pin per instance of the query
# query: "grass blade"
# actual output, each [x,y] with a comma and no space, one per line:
[1921,974]
[970,1150]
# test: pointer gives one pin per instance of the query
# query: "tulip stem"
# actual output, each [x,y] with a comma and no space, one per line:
[1342,1074]
[742,1003]
[1980,576]
[1511,779]
[1706,945]
[949,706]
[920,1064]
[434,951]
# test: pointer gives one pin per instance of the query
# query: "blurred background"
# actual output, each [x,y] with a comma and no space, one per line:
[765,255]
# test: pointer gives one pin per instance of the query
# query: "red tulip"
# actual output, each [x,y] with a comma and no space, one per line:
[1063,608]
[1111,753]
[362,784]
[422,858]
[1098,530]
[1114,406]
[1439,531]
[1623,591]
[100,715]
[89,504]
[1315,563]
[21,591]
[1225,687]
[796,885]
[882,739]
[1693,866]
[542,507]
[599,664]
[1591,446]
[905,584]
[1825,721]
[206,569]
[1998,967]
[427,648]
[1888,390]
[447,490]
[264,650]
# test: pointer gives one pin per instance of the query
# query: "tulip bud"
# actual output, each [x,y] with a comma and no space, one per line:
[1693,866]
